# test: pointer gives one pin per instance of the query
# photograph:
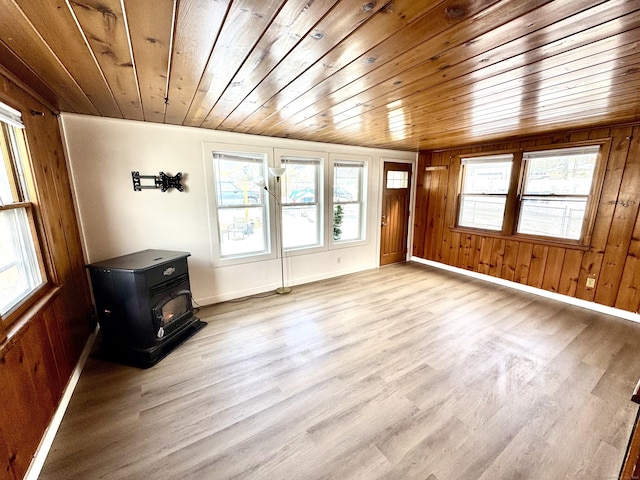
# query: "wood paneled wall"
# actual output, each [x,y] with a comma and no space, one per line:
[43,346]
[612,256]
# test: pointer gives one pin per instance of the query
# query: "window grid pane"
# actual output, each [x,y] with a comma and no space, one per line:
[482,211]
[241,210]
[557,217]
[301,203]
[300,226]
[562,175]
[485,185]
[556,190]
[300,183]
[486,178]
[19,270]
[347,221]
[348,224]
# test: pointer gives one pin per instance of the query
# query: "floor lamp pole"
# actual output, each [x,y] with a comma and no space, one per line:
[282,289]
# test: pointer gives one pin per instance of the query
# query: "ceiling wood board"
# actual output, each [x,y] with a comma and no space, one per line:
[104,26]
[444,66]
[19,34]
[241,30]
[57,26]
[151,37]
[402,74]
[343,62]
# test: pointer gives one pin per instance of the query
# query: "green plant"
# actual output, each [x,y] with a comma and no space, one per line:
[338,214]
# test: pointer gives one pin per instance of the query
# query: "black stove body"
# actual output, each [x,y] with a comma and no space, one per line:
[144,305]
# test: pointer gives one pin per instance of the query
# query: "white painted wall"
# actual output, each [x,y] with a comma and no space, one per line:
[116,220]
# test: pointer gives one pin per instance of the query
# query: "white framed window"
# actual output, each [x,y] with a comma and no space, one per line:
[484,190]
[555,191]
[348,193]
[21,267]
[302,198]
[238,204]
[539,192]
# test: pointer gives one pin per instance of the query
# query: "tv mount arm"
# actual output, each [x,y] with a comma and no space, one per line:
[164,182]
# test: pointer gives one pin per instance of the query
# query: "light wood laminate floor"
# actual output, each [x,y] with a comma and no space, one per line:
[406,372]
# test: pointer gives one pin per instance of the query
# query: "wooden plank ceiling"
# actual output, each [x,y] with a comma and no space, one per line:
[403,74]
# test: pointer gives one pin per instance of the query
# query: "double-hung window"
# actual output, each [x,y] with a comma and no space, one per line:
[21,271]
[348,200]
[555,191]
[546,193]
[302,202]
[483,195]
[240,203]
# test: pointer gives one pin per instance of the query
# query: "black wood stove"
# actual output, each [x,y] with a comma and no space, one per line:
[144,306]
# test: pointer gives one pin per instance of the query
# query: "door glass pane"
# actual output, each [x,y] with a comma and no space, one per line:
[19,271]
[397,179]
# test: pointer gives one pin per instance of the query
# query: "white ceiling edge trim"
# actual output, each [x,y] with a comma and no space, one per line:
[616,312]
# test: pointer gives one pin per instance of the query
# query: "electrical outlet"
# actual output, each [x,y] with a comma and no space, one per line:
[591,282]
[339,260]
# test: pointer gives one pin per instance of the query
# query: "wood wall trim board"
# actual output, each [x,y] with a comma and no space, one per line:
[521,237]
[16,329]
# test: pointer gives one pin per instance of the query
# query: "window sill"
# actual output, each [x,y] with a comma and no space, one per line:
[571,244]
[26,313]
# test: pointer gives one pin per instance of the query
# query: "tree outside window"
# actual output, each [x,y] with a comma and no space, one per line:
[348,200]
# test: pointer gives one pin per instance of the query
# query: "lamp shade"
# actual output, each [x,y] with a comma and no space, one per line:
[276,172]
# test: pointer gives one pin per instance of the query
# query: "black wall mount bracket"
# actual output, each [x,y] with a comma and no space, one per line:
[163,181]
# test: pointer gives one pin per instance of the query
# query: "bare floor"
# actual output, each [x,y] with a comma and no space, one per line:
[405,372]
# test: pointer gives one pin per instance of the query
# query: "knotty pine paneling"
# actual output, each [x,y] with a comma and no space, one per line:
[613,253]
[43,345]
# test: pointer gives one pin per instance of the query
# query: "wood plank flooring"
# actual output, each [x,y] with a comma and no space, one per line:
[404,372]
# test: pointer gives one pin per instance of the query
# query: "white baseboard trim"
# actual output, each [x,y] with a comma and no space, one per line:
[616,312]
[50,434]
